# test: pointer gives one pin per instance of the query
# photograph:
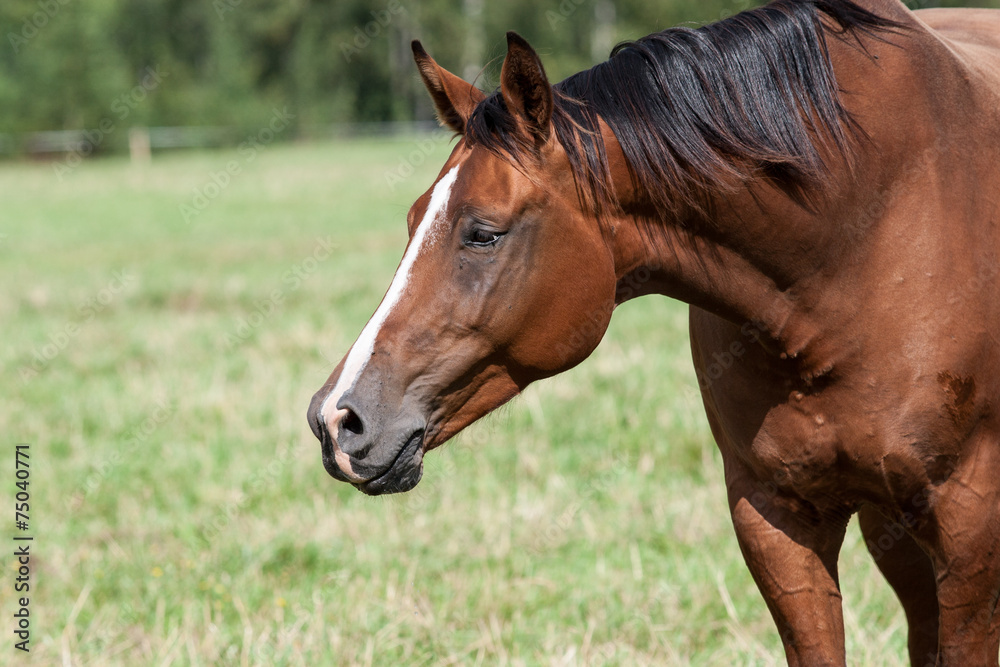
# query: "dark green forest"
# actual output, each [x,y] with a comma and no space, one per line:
[81,64]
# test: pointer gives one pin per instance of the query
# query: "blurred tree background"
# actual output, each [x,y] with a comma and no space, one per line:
[75,64]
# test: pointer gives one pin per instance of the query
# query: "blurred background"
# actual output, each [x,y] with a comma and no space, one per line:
[224,65]
[202,204]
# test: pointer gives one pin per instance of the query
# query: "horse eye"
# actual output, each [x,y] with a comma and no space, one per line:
[483,237]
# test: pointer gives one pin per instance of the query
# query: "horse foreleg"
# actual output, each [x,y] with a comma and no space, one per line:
[964,542]
[792,552]
[968,586]
[909,571]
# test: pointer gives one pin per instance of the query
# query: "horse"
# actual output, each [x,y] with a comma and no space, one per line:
[819,181]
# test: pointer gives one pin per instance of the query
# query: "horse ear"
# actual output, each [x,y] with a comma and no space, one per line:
[454,98]
[525,88]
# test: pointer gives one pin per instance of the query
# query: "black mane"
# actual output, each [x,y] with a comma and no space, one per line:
[754,94]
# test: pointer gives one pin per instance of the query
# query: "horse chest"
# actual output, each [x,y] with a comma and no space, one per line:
[849,444]
[798,447]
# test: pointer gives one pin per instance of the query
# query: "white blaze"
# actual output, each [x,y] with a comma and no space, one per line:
[364,346]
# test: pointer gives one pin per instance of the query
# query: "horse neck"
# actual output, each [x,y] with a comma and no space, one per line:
[759,256]
[751,262]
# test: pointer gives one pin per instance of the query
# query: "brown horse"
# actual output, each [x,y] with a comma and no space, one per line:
[820,181]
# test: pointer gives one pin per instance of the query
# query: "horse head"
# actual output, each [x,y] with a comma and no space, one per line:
[506,279]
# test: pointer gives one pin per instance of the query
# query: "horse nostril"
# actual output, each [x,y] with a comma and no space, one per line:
[351,422]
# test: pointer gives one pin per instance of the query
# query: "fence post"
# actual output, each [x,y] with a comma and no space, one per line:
[138,146]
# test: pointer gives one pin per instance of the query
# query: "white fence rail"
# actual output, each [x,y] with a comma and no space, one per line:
[140,142]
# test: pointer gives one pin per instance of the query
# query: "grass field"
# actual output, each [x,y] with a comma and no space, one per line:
[160,369]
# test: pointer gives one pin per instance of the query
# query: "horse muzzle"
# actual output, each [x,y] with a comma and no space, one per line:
[376,456]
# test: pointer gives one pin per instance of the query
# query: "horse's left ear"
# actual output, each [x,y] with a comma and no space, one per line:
[525,88]
[454,98]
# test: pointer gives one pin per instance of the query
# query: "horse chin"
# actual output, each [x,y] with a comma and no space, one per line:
[404,473]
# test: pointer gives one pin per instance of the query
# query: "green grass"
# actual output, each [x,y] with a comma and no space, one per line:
[180,509]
